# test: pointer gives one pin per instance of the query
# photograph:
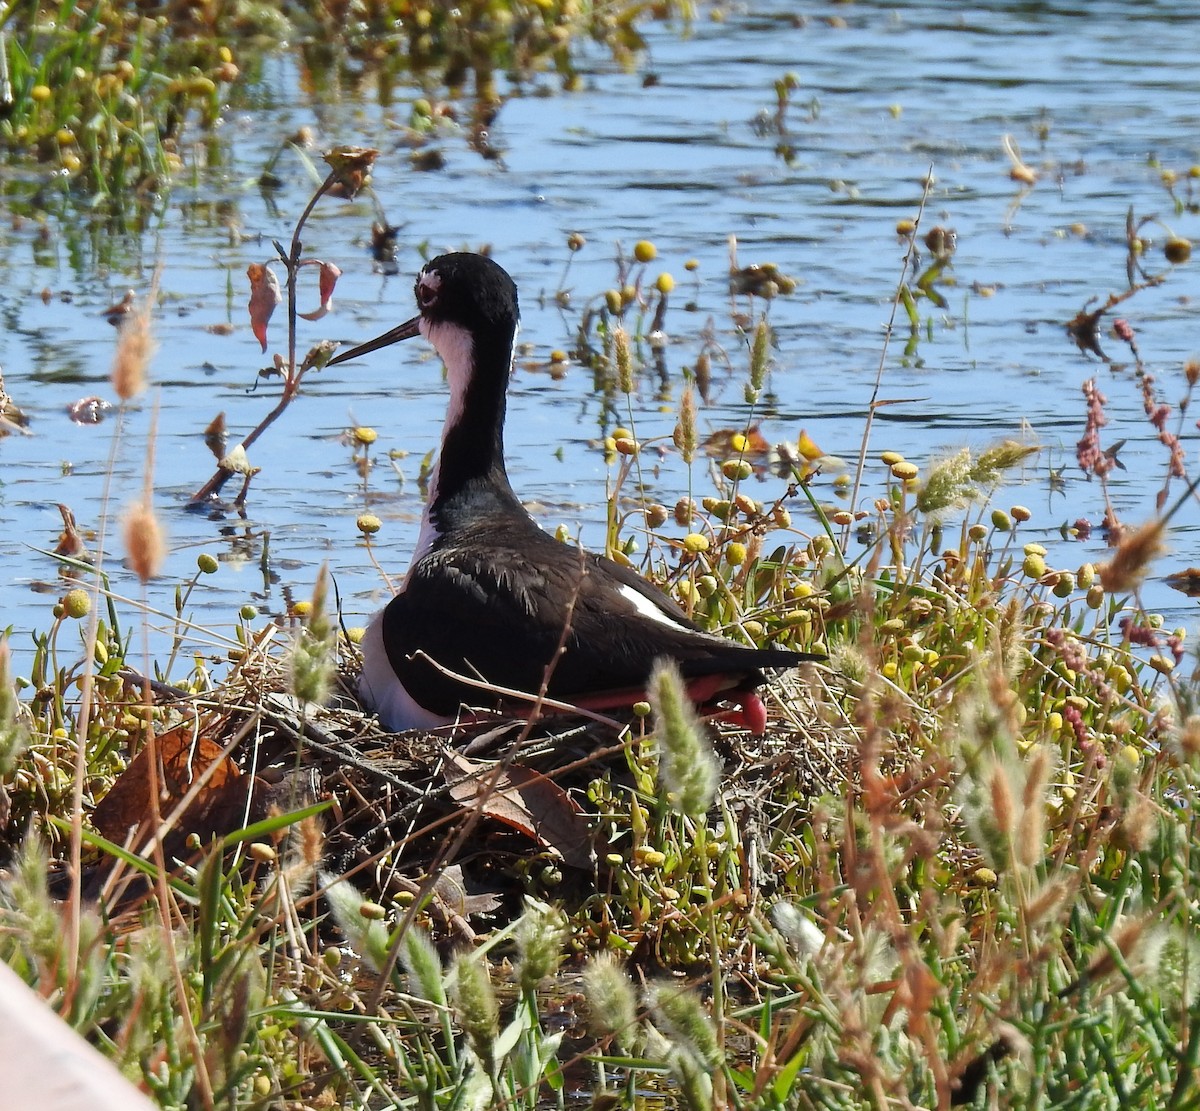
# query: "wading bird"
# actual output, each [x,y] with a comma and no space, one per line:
[493,610]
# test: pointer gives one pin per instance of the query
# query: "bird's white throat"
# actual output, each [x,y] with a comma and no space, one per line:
[456,348]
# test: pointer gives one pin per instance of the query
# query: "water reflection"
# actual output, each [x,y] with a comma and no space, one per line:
[813,187]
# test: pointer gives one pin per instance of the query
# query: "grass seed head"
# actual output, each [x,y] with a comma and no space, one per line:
[1045,902]
[14,737]
[800,930]
[623,358]
[541,934]
[135,349]
[145,545]
[947,486]
[1134,554]
[689,772]
[475,1001]
[367,935]
[760,351]
[685,428]
[611,999]
[684,1017]
[424,967]
[1030,839]
[314,655]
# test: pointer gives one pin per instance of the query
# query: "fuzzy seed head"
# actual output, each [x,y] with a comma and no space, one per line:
[368,936]
[684,1016]
[801,931]
[624,360]
[145,546]
[424,967]
[135,349]
[1132,558]
[541,934]
[1002,800]
[14,737]
[1031,829]
[611,1000]
[685,428]
[314,655]
[475,1001]
[688,770]
[760,352]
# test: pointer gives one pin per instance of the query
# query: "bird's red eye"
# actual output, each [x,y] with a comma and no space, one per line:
[426,294]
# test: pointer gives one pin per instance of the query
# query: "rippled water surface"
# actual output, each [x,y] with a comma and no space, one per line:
[687,158]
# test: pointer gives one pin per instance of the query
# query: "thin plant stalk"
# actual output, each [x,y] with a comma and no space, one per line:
[292,374]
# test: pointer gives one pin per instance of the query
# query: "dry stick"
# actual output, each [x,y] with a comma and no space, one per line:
[291,382]
[75,902]
[166,905]
[866,437]
[539,701]
[126,383]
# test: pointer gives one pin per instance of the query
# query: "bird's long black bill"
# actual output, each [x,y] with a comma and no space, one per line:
[406,330]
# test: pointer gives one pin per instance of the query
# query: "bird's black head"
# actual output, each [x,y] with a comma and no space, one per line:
[469,290]
[457,293]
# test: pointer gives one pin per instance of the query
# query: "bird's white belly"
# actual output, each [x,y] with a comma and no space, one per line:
[381,690]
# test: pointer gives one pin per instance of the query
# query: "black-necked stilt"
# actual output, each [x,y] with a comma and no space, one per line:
[492,597]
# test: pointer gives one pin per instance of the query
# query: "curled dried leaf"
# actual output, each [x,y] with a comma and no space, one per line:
[264,296]
[352,167]
[330,273]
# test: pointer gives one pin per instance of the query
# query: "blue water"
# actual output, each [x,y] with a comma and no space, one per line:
[1100,98]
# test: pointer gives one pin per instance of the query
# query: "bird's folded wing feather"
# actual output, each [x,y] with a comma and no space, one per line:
[501,619]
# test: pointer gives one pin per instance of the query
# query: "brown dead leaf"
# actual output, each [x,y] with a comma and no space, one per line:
[183,757]
[524,800]
[452,888]
[264,296]
[330,273]
[352,168]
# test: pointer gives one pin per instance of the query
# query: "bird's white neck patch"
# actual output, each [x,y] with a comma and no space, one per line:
[456,350]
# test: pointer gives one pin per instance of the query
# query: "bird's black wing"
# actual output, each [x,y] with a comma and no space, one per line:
[497,612]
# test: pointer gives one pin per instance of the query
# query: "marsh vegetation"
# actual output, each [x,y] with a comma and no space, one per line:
[959,866]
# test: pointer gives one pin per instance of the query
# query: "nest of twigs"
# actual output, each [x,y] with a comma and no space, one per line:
[462,816]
